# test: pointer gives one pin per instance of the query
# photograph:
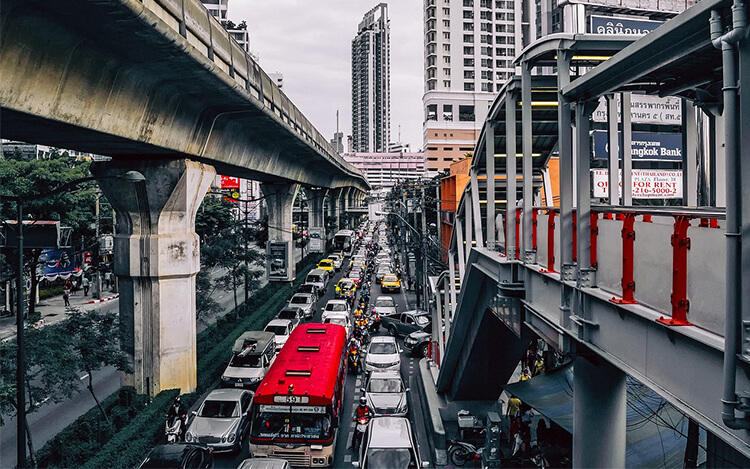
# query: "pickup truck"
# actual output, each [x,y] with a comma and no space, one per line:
[403,324]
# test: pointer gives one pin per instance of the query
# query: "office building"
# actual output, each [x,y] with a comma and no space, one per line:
[371,94]
[386,169]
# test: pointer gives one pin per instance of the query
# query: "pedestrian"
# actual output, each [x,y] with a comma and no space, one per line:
[85,285]
[525,375]
[107,278]
[514,407]
[66,295]
[73,286]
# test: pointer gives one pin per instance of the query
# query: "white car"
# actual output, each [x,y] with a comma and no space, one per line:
[306,301]
[336,306]
[342,319]
[281,328]
[337,260]
[383,354]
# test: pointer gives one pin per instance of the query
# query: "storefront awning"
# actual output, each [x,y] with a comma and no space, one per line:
[656,431]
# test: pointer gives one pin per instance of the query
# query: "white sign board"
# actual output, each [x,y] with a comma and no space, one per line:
[644,109]
[647,183]
[316,243]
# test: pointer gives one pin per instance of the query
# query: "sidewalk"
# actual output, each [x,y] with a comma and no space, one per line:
[53,310]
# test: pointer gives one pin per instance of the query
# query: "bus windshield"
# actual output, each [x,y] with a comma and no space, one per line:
[291,425]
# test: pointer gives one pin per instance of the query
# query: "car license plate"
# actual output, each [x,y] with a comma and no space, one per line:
[237,385]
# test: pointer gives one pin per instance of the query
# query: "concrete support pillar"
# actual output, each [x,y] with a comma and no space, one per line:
[157,258]
[599,390]
[315,206]
[334,208]
[280,201]
[344,208]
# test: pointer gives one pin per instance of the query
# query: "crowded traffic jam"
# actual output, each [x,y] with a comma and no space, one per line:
[324,383]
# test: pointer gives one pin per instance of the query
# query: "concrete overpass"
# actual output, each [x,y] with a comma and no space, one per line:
[161,88]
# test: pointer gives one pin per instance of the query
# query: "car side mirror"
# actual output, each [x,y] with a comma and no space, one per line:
[193,413]
[356,464]
[362,389]
[408,389]
[425,463]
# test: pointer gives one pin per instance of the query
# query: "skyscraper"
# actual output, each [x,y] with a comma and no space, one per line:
[371,82]
[469,51]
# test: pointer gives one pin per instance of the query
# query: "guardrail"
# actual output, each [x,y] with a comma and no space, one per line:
[195,23]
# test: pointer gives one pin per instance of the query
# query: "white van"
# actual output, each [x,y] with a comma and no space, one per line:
[319,278]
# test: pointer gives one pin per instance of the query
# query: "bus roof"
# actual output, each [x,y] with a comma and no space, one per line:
[307,367]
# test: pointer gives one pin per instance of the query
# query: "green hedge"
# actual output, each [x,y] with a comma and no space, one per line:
[129,446]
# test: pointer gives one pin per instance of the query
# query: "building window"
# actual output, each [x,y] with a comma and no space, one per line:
[485,3]
[446,11]
[468,26]
[468,87]
[468,50]
[487,87]
[431,61]
[431,85]
[446,47]
[486,75]
[468,14]
[430,73]
[468,3]
[468,62]
[447,72]
[446,35]
[469,74]
[465,149]
[487,63]
[486,50]
[486,39]
[431,112]
[447,59]
[468,38]
[447,112]
[485,15]
[446,83]
[448,149]
[466,113]
[446,23]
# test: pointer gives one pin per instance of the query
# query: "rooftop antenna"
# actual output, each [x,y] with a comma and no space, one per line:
[337,121]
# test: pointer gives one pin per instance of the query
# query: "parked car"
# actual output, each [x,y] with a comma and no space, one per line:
[179,455]
[389,442]
[403,324]
[385,306]
[281,328]
[390,283]
[222,420]
[386,393]
[383,354]
[305,301]
[292,313]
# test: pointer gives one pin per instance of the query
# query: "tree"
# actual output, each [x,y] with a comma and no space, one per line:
[51,373]
[93,339]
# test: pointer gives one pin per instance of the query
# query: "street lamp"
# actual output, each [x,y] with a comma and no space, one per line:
[131,177]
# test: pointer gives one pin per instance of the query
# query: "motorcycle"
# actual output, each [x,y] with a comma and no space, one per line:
[461,452]
[375,321]
[359,430]
[354,363]
[173,428]
[361,333]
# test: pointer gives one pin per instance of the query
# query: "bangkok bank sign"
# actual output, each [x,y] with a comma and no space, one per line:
[647,183]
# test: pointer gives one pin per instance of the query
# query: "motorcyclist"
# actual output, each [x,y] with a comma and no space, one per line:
[362,416]
[353,345]
[178,410]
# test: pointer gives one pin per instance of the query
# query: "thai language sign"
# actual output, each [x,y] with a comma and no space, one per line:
[612,26]
[644,110]
[647,183]
[646,146]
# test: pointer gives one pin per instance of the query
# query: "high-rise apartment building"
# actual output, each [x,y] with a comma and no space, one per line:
[469,51]
[371,82]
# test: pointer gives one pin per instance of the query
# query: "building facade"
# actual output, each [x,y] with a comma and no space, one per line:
[371,82]
[469,51]
[384,170]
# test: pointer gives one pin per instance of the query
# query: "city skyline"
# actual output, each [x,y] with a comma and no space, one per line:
[297,44]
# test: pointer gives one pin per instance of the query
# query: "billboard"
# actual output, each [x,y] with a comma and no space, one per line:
[647,146]
[614,26]
[644,109]
[647,183]
[280,266]
[229,182]
[315,238]
[56,263]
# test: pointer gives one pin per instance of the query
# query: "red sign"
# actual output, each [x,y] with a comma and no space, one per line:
[229,182]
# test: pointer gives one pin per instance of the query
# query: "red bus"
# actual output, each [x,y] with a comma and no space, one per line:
[297,406]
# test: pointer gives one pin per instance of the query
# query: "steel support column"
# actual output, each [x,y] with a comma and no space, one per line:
[510,180]
[583,225]
[689,154]
[614,151]
[460,247]
[627,151]
[565,148]
[476,211]
[528,176]
[489,144]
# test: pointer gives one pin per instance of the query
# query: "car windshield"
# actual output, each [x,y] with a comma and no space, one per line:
[325,262]
[219,409]
[287,314]
[339,321]
[336,307]
[394,458]
[278,330]
[299,300]
[286,425]
[249,361]
[385,385]
[422,320]
[390,279]
[385,303]
[306,288]
[314,278]
[382,348]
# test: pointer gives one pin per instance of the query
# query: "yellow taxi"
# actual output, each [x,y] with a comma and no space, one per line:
[346,288]
[390,283]
[326,264]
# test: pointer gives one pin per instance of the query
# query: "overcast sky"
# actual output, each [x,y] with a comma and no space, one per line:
[309,42]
